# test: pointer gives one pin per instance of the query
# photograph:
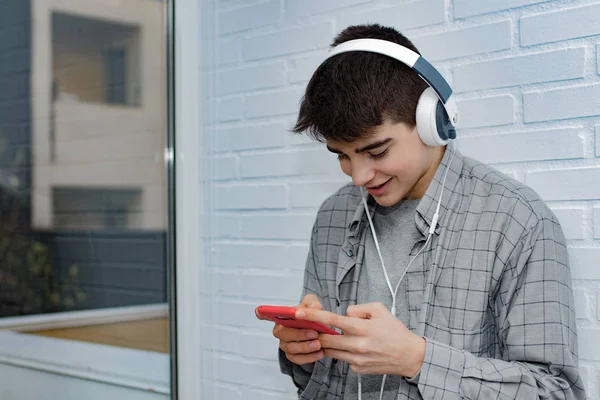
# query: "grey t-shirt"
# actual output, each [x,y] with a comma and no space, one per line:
[396,233]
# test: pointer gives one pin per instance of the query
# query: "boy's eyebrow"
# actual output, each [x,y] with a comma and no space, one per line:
[368,147]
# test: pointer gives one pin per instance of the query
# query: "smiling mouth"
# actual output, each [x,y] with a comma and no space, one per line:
[378,186]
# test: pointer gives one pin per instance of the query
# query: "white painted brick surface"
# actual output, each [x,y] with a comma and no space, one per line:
[402,16]
[263,76]
[572,102]
[598,58]
[524,146]
[248,137]
[466,8]
[584,263]
[566,184]
[287,163]
[231,109]
[589,349]
[304,38]
[574,23]
[304,8]
[597,222]
[259,287]
[302,68]
[229,51]
[255,16]
[465,42]
[276,226]
[581,303]
[571,220]
[490,111]
[226,168]
[521,70]
[276,256]
[312,194]
[251,197]
[597,140]
[270,104]
[527,78]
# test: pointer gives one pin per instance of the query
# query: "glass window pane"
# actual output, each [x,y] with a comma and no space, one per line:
[83,195]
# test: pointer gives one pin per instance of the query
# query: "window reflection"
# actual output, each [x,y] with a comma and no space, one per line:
[82,176]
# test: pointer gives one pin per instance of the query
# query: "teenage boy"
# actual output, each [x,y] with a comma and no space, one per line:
[448,279]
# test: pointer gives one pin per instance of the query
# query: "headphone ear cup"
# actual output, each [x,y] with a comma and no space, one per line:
[426,116]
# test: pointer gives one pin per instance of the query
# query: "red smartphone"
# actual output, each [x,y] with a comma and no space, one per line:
[286,316]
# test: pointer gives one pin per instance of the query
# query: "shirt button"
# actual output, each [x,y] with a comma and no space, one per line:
[350,253]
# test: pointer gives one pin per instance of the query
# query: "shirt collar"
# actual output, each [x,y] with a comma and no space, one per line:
[428,204]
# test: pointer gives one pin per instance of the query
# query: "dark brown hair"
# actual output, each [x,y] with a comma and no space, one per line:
[351,93]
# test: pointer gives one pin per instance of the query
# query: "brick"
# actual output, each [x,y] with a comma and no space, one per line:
[403,16]
[467,8]
[248,344]
[246,18]
[312,194]
[560,25]
[588,344]
[513,71]
[231,109]
[566,184]
[247,137]
[571,221]
[224,226]
[489,111]
[251,197]
[302,68]
[225,392]
[234,313]
[305,8]
[598,57]
[584,263]
[572,102]
[225,168]
[259,255]
[581,303]
[273,103]
[229,51]
[305,38]
[288,163]
[264,76]
[597,140]
[553,144]
[260,288]
[277,226]
[482,39]
[597,222]
[252,374]
[254,394]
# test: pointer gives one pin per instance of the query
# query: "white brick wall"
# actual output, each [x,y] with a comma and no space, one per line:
[527,78]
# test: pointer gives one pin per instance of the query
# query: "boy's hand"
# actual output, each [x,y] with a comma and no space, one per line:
[300,345]
[374,341]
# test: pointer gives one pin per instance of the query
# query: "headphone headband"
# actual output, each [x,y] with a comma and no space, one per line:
[413,60]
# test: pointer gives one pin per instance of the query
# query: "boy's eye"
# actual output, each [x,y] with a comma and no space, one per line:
[341,157]
[380,154]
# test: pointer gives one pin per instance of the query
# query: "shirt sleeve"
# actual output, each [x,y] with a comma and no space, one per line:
[535,318]
[301,374]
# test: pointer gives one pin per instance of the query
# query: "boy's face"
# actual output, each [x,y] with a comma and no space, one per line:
[392,164]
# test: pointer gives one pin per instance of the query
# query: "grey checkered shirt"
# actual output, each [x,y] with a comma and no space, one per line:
[492,295]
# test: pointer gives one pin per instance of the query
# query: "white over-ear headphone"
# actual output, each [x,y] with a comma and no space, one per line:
[437,114]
